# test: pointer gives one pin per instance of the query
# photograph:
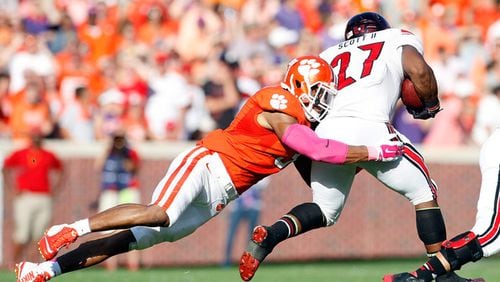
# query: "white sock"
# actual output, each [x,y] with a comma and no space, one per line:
[51,267]
[82,227]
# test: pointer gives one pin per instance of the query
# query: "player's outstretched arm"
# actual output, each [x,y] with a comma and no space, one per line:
[305,141]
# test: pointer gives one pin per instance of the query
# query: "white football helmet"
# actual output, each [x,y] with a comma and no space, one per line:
[311,80]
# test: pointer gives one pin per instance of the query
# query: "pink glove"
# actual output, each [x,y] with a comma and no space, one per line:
[390,151]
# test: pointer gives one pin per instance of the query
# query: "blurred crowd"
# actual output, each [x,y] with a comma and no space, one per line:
[175,69]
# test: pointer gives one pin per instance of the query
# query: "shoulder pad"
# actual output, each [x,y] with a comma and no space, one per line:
[277,99]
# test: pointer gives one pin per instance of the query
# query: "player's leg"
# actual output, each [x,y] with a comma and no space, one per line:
[184,180]
[87,254]
[467,246]
[487,224]
[166,196]
[210,193]
[119,217]
[300,219]
[137,238]
[455,252]
[108,245]
[410,177]
[328,204]
[421,192]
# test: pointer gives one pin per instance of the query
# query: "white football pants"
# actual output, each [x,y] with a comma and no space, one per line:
[487,225]
[331,184]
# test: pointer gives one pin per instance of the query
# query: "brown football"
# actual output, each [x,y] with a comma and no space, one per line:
[409,96]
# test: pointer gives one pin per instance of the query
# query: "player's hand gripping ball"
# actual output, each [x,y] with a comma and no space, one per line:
[409,96]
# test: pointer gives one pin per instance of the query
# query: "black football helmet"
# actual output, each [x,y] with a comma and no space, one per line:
[364,23]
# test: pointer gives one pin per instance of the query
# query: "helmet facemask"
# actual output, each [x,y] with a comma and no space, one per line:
[316,102]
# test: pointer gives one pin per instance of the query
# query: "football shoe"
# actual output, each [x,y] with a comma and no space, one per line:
[402,277]
[30,272]
[55,238]
[256,252]
[453,277]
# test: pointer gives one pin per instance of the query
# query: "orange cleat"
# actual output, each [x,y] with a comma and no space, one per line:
[30,272]
[55,238]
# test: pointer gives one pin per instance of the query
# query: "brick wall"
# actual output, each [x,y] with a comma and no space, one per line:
[376,222]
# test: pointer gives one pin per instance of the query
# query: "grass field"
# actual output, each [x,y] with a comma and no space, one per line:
[341,271]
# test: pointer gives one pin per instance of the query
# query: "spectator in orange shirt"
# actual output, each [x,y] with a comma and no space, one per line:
[30,112]
[34,192]
[99,34]
[157,28]
[75,71]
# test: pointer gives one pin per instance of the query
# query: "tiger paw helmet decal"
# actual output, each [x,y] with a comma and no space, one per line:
[308,67]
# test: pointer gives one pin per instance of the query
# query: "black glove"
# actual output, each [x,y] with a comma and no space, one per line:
[429,110]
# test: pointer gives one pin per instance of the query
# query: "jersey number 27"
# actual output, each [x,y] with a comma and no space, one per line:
[344,59]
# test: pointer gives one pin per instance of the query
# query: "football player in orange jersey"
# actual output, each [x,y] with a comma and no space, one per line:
[269,132]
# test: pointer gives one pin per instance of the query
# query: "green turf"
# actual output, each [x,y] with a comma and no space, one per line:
[344,271]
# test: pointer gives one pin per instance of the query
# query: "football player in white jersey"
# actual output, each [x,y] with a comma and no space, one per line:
[482,240]
[370,66]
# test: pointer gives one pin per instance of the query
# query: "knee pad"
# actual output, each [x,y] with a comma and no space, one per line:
[430,226]
[309,215]
[462,249]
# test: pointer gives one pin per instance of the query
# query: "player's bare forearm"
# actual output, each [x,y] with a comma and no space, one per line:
[420,73]
[356,154]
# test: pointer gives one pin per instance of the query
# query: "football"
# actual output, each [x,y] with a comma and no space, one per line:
[409,96]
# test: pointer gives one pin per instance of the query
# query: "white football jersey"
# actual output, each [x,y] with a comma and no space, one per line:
[369,73]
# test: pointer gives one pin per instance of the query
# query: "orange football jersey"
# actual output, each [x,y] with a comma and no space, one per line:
[249,151]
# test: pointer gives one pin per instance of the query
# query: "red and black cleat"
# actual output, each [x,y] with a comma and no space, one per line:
[402,277]
[255,253]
